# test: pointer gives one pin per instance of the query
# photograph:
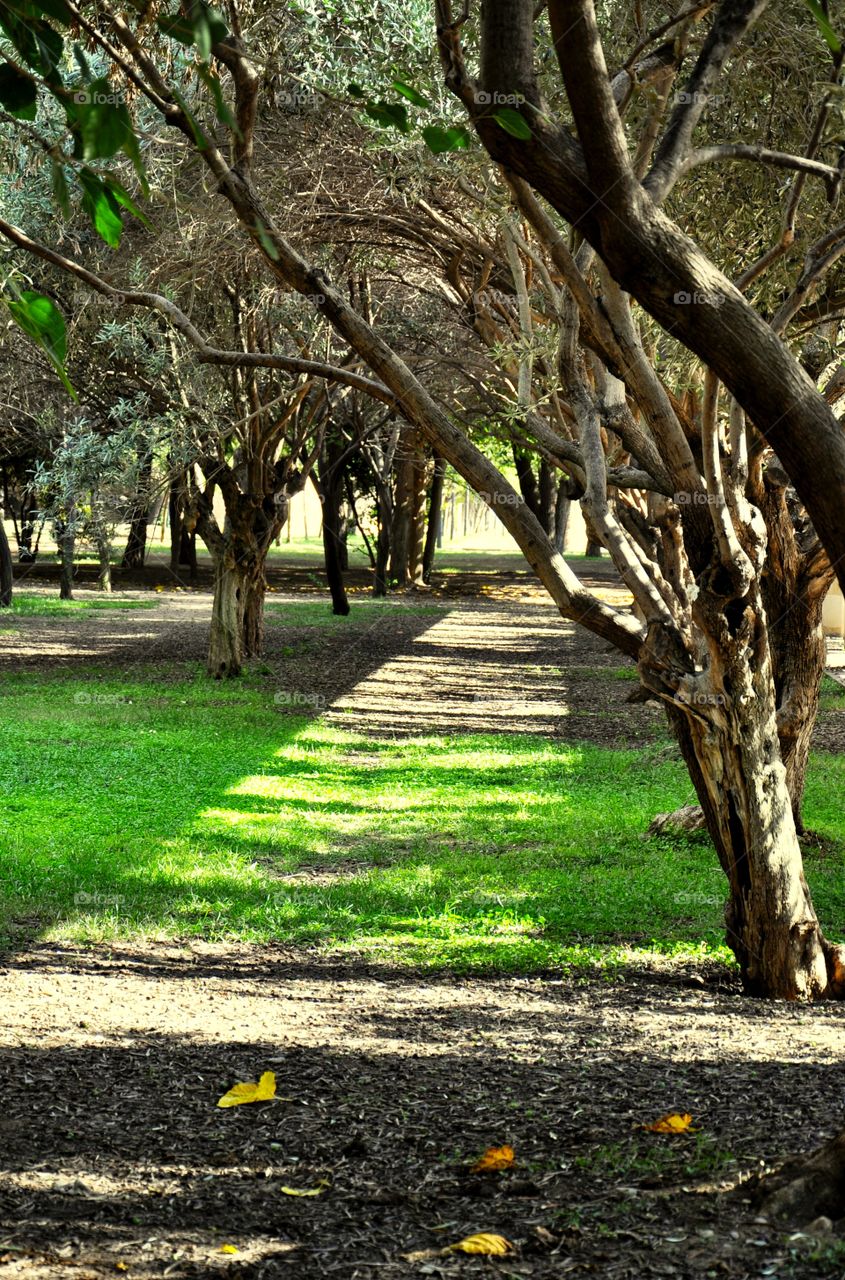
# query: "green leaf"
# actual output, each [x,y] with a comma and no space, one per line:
[35,40]
[102,208]
[221,106]
[512,122]
[123,198]
[266,242]
[823,23]
[42,321]
[54,9]
[407,91]
[389,115]
[17,93]
[103,120]
[58,181]
[204,27]
[455,138]
[176,27]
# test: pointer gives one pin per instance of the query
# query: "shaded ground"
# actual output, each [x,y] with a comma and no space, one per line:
[508,665]
[117,1158]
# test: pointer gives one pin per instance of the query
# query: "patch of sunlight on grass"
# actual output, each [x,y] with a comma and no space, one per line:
[194,809]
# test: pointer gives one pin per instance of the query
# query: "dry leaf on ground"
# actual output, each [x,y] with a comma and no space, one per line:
[485,1242]
[494,1158]
[250,1092]
[672,1123]
[321,1186]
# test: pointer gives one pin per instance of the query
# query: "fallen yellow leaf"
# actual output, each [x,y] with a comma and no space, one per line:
[261,1092]
[673,1123]
[314,1191]
[485,1242]
[494,1158]
[228,1248]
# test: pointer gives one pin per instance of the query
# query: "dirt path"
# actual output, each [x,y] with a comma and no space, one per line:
[116,1158]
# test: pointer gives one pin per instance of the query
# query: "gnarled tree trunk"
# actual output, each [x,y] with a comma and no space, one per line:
[726,725]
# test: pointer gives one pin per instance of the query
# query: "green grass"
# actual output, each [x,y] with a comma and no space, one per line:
[364,611]
[168,805]
[30,605]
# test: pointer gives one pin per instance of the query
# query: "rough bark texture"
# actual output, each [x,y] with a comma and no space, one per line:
[727,729]
[225,646]
[332,544]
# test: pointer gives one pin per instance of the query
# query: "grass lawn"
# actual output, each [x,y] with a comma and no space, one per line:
[171,806]
[29,604]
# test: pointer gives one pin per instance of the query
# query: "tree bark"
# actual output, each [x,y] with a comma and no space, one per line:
[435,503]
[806,1187]
[726,725]
[136,543]
[563,506]
[226,641]
[385,526]
[67,547]
[6,569]
[332,546]
[104,555]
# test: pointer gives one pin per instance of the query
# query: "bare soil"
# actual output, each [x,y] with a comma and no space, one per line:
[115,1159]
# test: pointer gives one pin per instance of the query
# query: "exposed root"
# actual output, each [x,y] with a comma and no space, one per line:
[688,818]
[806,1187]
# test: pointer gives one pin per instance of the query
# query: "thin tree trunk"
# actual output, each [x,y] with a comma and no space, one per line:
[104,555]
[435,503]
[6,569]
[563,506]
[385,527]
[67,547]
[416,515]
[332,546]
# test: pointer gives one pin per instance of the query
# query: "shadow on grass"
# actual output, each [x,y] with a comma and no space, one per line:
[155,806]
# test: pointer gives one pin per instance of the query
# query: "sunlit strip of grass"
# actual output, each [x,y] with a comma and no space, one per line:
[180,808]
[31,605]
